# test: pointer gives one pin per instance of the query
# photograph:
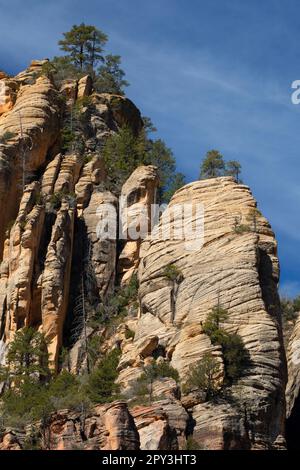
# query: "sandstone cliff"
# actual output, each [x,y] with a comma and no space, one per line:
[58,268]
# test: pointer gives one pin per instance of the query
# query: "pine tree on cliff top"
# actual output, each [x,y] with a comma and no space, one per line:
[84,45]
[213,165]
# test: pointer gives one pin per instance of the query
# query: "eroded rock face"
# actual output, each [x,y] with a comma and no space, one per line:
[239,270]
[17,267]
[54,253]
[137,197]
[33,127]
[107,427]
[102,248]
[55,282]
[293,357]
[59,209]
[293,388]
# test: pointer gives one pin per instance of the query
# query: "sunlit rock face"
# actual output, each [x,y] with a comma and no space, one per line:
[237,269]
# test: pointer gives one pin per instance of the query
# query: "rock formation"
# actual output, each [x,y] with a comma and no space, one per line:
[41,222]
[107,427]
[59,265]
[293,388]
[234,268]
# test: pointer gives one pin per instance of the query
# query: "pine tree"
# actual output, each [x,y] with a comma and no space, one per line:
[233,168]
[110,77]
[213,165]
[27,358]
[84,46]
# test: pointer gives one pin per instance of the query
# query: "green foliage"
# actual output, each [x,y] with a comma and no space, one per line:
[101,386]
[129,334]
[63,69]
[296,304]
[110,77]
[203,376]
[158,370]
[212,323]
[192,444]
[213,165]
[33,401]
[144,384]
[253,217]
[25,403]
[67,139]
[93,349]
[33,440]
[27,357]
[48,70]
[56,198]
[159,155]
[173,273]
[84,46]
[240,228]
[113,310]
[176,181]
[6,136]
[122,153]
[290,308]
[234,353]
[233,168]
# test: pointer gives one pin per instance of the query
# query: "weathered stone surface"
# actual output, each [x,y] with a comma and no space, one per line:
[120,109]
[55,282]
[293,357]
[85,86]
[238,270]
[92,174]
[153,428]
[68,174]
[34,124]
[107,427]
[161,426]
[293,389]
[50,175]
[9,440]
[137,196]
[17,267]
[8,94]
[102,247]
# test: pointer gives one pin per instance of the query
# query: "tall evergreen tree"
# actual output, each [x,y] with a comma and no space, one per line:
[213,165]
[233,168]
[84,46]
[110,77]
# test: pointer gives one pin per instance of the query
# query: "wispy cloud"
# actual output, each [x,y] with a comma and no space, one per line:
[215,74]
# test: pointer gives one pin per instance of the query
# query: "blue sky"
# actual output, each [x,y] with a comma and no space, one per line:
[210,74]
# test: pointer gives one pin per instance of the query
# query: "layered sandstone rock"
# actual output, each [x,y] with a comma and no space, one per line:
[237,269]
[107,427]
[137,198]
[55,283]
[33,126]
[8,94]
[293,388]
[101,213]
[17,267]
